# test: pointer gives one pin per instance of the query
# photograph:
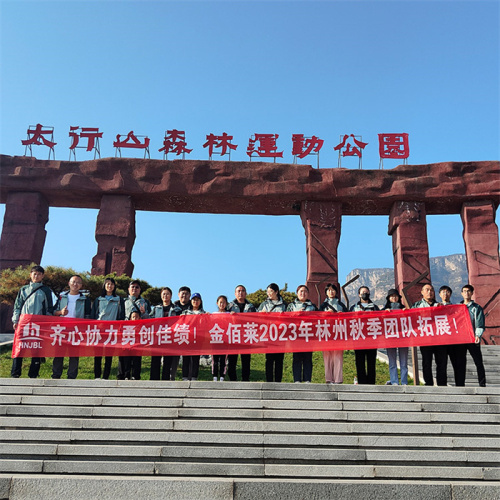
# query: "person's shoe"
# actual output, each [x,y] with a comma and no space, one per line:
[222,379]
[15,376]
[215,379]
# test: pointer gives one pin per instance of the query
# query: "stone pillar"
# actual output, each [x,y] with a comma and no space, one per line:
[23,232]
[321,221]
[115,236]
[481,249]
[408,227]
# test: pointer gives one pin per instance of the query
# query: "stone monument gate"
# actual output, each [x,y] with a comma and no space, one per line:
[406,194]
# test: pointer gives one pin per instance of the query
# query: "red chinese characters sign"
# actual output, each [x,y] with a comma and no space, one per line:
[242,333]
[393,146]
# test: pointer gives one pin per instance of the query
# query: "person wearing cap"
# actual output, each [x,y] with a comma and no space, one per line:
[191,364]
[365,358]
[274,360]
[333,360]
[393,303]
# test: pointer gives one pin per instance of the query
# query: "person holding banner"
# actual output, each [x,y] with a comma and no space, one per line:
[476,314]
[239,305]
[71,304]
[107,307]
[334,360]
[131,365]
[393,302]
[365,358]
[302,364]
[219,360]
[191,364]
[35,298]
[438,351]
[170,363]
[274,360]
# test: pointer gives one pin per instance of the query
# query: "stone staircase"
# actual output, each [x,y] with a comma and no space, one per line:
[82,439]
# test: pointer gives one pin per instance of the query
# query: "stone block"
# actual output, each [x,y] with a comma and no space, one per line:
[225,453]
[307,427]
[59,487]
[142,402]
[375,406]
[156,392]
[98,467]
[128,424]
[34,436]
[491,473]
[58,411]
[218,426]
[61,400]
[316,454]
[301,405]
[478,430]
[475,491]
[12,399]
[334,490]
[311,440]
[223,394]
[488,458]
[63,391]
[216,438]
[430,472]
[408,441]
[222,414]
[15,389]
[416,456]
[127,412]
[118,436]
[459,408]
[394,428]
[21,466]
[377,397]
[386,416]
[304,415]
[222,403]
[104,450]
[40,423]
[5,486]
[208,469]
[476,442]
[12,450]
[310,471]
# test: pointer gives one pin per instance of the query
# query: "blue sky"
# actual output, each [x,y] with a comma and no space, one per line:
[430,69]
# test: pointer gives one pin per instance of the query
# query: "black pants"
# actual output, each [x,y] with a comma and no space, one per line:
[57,367]
[232,360]
[17,365]
[170,364]
[129,367]
[365,365]
[302,366]
[274,366]
[477,357]
[219,365]
[190,367]
[440,354]
[458,357]
[108,361]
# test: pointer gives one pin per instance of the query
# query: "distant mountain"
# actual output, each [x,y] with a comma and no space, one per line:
[450,270]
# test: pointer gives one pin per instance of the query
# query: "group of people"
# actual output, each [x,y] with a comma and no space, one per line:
[36,298]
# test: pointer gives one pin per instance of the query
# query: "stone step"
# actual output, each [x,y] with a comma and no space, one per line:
[62,487]
[205,431]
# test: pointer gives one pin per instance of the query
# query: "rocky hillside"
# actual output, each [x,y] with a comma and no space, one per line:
[450,270]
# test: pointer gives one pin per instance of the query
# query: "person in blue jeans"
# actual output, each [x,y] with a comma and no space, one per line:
[393,302]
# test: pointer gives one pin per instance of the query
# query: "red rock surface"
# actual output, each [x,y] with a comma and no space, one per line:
[249,187]
[483,264]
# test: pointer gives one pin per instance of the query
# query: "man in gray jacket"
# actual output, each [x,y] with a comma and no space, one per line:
[71,304]
[35,298]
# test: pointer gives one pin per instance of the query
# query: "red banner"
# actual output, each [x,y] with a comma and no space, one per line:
[242,333]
